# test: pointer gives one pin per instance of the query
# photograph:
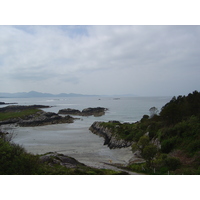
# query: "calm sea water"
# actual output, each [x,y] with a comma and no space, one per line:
[125,109]
[75,139]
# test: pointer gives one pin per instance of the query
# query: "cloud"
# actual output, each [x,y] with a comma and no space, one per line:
[151,60]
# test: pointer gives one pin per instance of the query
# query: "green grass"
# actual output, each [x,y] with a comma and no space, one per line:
[19,114]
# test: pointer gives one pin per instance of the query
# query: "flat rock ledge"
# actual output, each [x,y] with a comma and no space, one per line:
[98,111]
[111,139]
[53,158]
[46,118]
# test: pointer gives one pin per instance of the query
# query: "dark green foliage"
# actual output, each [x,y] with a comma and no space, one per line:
[177,127]
[168,144]
[149,153]
[181,108]
[144,118]
[193,146]
[15,160]
[172,163]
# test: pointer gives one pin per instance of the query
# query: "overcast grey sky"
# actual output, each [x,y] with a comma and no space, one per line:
[141,60]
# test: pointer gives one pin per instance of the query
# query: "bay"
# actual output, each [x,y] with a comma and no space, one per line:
[75,139]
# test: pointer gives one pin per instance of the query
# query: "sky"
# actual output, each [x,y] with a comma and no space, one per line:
[151,60]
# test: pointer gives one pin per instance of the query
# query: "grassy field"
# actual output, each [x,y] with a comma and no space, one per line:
[19,114]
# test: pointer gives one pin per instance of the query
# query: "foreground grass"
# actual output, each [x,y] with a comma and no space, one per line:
[20,114]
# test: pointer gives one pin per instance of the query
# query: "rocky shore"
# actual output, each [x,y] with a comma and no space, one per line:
[45,118]
[98,111]
[53,158]
[39,118]
[110,138]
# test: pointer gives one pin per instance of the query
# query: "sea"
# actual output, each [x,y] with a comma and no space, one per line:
[75,139]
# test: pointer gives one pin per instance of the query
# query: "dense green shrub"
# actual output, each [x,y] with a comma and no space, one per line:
[172,163]
[193,146]
[168,144]
[15,160]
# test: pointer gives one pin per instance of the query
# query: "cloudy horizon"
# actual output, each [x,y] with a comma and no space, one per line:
[100,60]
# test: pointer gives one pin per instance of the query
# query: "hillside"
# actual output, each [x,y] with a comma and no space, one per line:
[169,141]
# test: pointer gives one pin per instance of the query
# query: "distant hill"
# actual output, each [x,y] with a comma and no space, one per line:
[39,94]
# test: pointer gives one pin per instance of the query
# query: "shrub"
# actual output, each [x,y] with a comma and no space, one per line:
[168,144]
[194,146]
[172,163]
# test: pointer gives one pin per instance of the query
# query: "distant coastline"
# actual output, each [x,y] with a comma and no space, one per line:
[40,94]
[33,94]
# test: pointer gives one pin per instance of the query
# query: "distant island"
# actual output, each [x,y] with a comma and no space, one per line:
[33,94]
[40,94]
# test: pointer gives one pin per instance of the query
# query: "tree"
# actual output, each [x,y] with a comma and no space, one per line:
[153,111]
[147,149]
[149,153]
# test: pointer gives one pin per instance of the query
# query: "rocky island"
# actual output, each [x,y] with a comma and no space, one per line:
[31,116]
[98,111]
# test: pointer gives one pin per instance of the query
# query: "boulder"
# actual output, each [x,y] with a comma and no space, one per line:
[53,158]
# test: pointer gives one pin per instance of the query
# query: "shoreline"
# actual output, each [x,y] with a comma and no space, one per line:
[72,140]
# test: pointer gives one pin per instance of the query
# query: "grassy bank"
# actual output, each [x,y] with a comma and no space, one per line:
[20,114]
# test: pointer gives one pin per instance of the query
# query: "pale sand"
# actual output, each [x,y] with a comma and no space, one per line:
[74,140]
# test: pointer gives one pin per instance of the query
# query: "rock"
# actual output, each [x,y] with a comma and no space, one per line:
[40,118]
[46,119]
[69,111]
[111,139]
[99,111]
[53,158]
[18,108]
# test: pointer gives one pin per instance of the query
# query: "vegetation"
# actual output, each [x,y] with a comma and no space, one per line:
[21,114]
[177,132]
[169,143]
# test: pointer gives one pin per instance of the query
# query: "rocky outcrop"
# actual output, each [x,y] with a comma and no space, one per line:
[46,119]
[53,158]
[98,111]
[111,138]
[69,111]
[40,118]
[18,108]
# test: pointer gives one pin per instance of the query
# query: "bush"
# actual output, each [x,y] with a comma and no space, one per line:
[15,160]
[172,163]
[194,146]
[168,144]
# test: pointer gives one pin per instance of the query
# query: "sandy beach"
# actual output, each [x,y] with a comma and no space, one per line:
[74,140]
